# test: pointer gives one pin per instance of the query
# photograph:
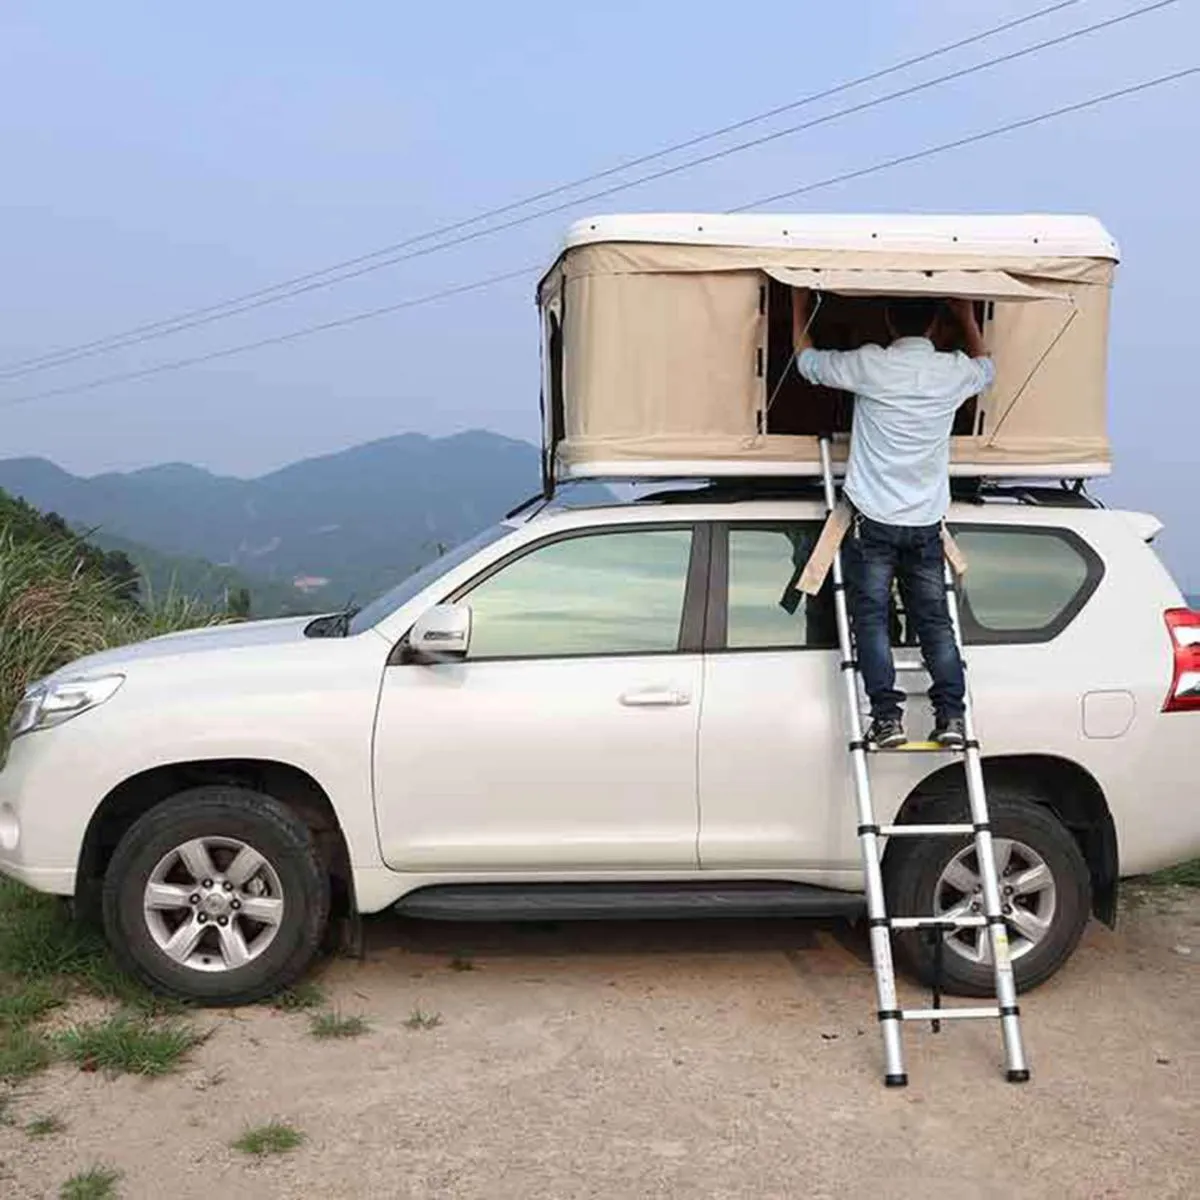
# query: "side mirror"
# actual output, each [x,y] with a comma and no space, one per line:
[441,634]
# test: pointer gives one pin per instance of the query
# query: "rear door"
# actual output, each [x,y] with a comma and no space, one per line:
[773,782]
[775,788]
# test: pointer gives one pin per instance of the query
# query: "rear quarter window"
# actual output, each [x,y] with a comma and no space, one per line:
[1023,584]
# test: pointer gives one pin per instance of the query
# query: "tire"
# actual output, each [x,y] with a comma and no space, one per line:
[920,880]
[290,891]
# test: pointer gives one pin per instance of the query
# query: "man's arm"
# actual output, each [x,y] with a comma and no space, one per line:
[981,363]
[829,368]
[801,308]
[964,313]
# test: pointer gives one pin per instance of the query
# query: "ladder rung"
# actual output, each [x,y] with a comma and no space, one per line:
[937,922]
[924,830]
[948,1014]
[915,748]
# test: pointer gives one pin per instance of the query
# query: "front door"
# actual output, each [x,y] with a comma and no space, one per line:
[567,740]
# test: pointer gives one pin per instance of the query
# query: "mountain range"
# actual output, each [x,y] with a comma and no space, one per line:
[308,537]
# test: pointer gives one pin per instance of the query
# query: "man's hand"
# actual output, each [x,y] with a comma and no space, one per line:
[964,314]
[801,303]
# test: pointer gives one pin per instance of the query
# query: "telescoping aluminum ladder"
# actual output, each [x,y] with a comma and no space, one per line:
[891,1015]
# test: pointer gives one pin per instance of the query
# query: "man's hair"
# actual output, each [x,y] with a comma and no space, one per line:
[912,316]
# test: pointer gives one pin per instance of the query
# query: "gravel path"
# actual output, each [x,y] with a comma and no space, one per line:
[686,1060]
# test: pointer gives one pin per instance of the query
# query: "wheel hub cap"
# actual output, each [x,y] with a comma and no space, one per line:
[215,905]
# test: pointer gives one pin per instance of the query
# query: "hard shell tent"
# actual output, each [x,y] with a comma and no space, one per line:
[667,339]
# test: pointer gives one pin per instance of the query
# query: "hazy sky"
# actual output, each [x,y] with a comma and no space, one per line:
[161,157]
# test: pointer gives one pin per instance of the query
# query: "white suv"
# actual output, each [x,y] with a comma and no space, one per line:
[621,710]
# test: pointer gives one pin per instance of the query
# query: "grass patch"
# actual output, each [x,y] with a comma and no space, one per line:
[38,939]
[22,1004]
[334,1025]
[301,998]
[1185,874]
[45,1126]
[42,944]
[96,1183]
[23,1052]
[129,1045]
[423,1020]
[275,1138]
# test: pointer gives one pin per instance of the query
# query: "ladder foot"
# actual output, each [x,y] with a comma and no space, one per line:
[1021,1076]
[900,1080]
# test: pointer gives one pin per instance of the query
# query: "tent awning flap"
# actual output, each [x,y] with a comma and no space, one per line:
[967,285]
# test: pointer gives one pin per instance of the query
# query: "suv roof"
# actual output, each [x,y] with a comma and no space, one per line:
[593,493]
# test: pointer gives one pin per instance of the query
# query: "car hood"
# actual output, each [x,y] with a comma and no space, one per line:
[211,638]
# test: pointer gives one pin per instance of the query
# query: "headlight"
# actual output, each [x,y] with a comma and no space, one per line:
[48,704]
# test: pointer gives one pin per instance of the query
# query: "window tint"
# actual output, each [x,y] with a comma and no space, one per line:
[607,593]
[763,563]
[1021,581]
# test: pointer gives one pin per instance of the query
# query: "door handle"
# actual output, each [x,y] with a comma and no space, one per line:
[655,698]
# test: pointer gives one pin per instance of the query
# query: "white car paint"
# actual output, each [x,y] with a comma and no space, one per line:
[536,770]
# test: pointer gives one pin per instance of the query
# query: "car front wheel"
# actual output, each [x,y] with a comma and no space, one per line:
[216,895]
[1045,891]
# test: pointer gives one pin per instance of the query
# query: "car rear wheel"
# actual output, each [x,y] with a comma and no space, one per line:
[216,895]
[1045,893]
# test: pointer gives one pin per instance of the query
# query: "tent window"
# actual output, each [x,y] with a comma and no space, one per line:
[555,355]
[842,323]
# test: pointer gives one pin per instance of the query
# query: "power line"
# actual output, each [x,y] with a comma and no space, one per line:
[478,285]
[662,173]
[305,331]
[286,289]
[957,143]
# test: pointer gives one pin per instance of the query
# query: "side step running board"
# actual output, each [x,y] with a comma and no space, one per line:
[626,901]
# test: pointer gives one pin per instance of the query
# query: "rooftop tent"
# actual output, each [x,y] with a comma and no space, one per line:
[667,339]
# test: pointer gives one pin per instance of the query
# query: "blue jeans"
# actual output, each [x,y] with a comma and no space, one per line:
[874,555]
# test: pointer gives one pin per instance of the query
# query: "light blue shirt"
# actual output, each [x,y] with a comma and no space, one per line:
[905,398]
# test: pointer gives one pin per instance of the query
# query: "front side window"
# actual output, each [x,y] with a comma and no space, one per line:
[615,592]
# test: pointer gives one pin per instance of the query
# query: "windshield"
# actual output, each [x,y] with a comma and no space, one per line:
[402,593]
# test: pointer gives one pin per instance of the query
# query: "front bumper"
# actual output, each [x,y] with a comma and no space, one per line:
[42,818]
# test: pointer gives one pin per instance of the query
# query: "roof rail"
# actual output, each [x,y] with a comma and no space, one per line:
[733,489]
[1070,493]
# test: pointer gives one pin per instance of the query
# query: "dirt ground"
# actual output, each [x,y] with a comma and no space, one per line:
[709,1060]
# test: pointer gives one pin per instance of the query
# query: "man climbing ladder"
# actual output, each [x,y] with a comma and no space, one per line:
[897,484]
[905,399]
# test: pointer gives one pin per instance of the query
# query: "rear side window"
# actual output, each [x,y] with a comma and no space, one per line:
[1023,585]
[764,608]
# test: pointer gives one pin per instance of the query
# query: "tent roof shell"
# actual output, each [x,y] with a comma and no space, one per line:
[1035,235]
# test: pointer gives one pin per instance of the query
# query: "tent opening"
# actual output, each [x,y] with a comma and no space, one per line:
[800,408]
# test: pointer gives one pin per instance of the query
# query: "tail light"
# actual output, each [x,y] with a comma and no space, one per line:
[1184,626]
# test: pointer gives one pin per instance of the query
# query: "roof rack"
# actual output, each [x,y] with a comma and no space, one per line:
[1070,493]
[732,489]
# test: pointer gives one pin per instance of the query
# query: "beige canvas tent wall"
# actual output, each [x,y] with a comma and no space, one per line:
[661,352]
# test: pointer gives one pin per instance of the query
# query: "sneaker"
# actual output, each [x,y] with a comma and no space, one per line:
[886,733]
[950,732]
